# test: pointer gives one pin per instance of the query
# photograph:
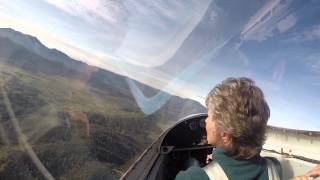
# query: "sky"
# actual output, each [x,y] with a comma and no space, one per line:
[186,47]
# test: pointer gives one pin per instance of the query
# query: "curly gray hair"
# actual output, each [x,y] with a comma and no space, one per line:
[239,108]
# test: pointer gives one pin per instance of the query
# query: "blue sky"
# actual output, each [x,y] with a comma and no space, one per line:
[187,46]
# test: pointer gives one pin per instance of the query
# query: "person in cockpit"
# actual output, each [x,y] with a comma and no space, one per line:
[236,126]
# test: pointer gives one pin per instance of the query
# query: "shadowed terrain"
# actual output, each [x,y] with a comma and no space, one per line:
[81,121]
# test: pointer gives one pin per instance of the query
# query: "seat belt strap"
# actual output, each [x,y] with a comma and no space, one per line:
[272,170]
[214,171]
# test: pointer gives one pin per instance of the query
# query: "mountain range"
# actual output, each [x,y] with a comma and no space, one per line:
[81,121]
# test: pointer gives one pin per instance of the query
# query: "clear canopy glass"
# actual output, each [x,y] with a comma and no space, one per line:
[87,85]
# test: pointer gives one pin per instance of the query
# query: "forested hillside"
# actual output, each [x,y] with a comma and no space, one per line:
[81,121]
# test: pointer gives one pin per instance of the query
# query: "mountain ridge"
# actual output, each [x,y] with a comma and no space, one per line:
[35,45]
[74,116]
[95,76]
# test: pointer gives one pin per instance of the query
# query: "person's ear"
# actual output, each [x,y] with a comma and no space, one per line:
[225,137]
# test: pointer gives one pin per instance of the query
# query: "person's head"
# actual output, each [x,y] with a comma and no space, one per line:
[237,117]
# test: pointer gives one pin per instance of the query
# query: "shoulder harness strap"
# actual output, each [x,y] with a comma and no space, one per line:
[214,171]
[272,170]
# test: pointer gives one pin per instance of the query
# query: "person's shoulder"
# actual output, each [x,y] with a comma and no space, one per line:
[193,172]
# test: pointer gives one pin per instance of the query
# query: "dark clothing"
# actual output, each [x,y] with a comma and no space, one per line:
[254,168]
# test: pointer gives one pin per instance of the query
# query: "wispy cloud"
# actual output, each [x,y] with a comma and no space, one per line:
[286,23]
[313,63]
[273,15]
[140,29]
[103,22]
[305,35]
[279,71]
[313,33]
[165,27]
[120,12]
[92,10]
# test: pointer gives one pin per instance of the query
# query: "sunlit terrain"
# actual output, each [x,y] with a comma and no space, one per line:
[86,86]
[73,115]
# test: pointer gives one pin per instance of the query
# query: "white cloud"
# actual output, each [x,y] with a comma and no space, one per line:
[279,71]
[116,13]
[101,23]
[307,34]
[92,10]
[313,63]
[313,33]
[140,30]
[156,31]
[273,15]
[286,23]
